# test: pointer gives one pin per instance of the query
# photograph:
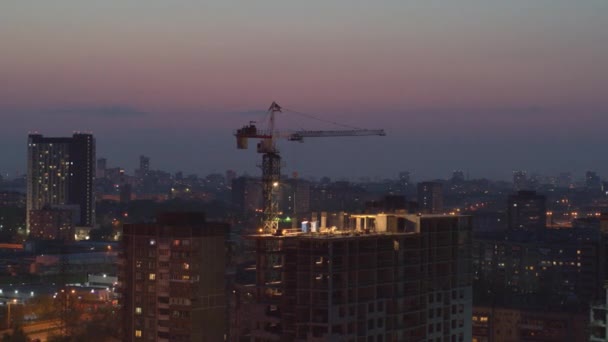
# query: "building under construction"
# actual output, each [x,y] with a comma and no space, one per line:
[381,277]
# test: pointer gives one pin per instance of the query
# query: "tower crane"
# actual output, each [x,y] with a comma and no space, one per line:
[271,160]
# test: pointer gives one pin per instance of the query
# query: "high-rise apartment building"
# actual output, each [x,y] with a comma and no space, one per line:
[61,171]
[520,180]
[387,277]
[430,197]
[404,181]
[527,211]
[172,279]
[144,166]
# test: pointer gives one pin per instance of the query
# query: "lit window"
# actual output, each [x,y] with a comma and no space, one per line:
[152,276]
[186,266]
[137,333]
[138,311]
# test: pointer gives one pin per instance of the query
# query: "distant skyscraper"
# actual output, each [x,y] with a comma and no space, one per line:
[457,176]
[593,182]
[520,180]
[527,211]
[534,181]
[144,166]
[102,165]
[430,197]
[61,171]
[404,177]
[404,181]
[172,279]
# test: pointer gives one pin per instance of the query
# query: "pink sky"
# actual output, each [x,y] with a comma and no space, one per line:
[184,62]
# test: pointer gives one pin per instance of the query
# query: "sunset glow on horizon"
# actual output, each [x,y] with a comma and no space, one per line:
[475,65]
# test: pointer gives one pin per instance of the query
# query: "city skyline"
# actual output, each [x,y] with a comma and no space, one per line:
[304,171]
[482,87]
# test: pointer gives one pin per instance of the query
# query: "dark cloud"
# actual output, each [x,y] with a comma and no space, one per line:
[101,112]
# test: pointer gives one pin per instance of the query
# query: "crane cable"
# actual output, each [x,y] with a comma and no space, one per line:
[314,117]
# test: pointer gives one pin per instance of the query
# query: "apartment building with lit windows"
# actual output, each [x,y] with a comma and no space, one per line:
[172,281]
[61,172]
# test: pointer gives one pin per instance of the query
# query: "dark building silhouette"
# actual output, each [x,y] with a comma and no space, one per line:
[12,198]
[527,211]
[144,166]
[489,222]
[593,181]
[61,171]
[391,204]
[337,196]
[405,182]
[295,196]
[376,280]
[52,224]
[172,279]
[457,176]
[430,197]
[564,180]
[246,194]
[102,165]
[126,192]
[525,325]
[520,180]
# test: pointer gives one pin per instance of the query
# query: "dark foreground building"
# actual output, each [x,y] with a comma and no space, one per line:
[527,211]
[172,279]
[511,324]
[387,277]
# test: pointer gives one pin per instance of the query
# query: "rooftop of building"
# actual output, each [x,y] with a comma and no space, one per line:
[178,224]
[361,228]
[328,234]
[408,215]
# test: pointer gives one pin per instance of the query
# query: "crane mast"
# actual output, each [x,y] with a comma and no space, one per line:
[271,175]
[271,160]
